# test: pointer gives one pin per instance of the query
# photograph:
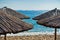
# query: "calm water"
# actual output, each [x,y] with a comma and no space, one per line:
[36,28]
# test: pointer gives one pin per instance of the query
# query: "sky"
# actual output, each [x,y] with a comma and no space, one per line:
[30,4]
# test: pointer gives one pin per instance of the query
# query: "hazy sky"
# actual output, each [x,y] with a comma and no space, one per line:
[30,4]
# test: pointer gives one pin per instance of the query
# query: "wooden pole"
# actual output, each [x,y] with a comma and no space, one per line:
[55,33]
[5,37]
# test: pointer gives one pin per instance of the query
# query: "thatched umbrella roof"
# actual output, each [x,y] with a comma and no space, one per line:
[53,22]
[50,19]
[49,14]
[11,24]
[14,13]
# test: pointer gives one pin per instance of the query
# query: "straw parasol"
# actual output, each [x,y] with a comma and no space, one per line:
[52,21]
[51,13]
[12,24]
[14,13]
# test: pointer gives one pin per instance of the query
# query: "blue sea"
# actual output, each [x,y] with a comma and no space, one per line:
[36,27]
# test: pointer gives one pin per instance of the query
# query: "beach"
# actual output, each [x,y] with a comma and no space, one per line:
[32,37]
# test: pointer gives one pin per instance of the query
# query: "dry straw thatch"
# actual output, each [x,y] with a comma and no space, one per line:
[52,22]
[11,24]
[14,13]
[50,14]
[50,19]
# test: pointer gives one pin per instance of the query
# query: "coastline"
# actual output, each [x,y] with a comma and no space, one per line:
[31,33]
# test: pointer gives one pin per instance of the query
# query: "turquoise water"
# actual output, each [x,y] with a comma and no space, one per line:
[36,27]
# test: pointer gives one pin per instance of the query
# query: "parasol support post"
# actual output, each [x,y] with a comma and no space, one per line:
[5,37]
[55,33]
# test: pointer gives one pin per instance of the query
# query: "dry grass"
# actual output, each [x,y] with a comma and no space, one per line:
[36,37]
